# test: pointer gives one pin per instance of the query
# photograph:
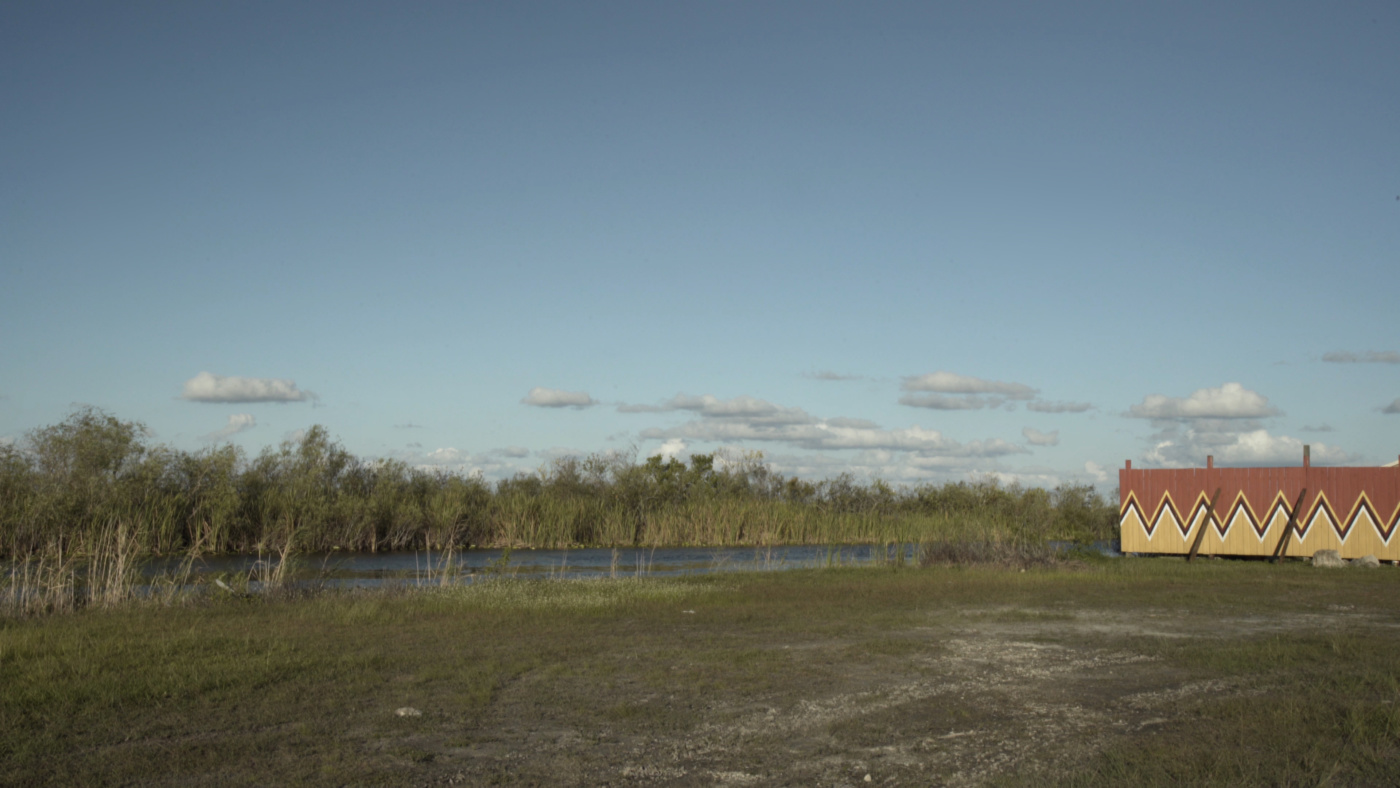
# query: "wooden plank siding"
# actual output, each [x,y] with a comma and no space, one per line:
[1352,510]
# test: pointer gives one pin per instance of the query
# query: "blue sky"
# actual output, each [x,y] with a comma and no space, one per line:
[918,241]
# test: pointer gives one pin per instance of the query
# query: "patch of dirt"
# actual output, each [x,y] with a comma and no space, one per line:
[992,692]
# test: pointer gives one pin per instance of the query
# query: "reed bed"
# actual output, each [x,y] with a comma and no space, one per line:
[84,501]
[103,573]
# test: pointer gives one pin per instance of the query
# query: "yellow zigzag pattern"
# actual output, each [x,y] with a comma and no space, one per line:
[1321,508]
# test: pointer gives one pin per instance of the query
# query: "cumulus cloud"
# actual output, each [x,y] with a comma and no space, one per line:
[826,374]
[444,456]
[512,451]
[952,383]
[208,387]
[540,397]
[1393,407]
[1369,357]
[1037,438]
[1230,401]
[671,449]
[237,422]
[1096,472]
[1253,447]
[1043,406]
[1223,422]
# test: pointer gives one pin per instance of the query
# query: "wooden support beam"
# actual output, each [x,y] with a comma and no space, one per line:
[1205,523]
[1281,549]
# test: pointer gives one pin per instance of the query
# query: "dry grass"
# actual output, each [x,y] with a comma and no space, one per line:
[104,575]
[1010,555]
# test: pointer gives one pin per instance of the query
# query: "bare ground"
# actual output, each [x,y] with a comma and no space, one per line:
[967,699]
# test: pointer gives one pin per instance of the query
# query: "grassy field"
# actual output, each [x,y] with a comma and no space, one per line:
[1136,671]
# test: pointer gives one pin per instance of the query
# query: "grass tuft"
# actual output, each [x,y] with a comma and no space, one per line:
[1009,555]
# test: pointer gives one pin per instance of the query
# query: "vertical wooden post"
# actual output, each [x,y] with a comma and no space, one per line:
[1206,522]
[1281,549]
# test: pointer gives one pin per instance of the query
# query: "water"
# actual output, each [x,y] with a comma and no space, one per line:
[347,570]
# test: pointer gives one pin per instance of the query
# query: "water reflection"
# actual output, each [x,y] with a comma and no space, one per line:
[375,569]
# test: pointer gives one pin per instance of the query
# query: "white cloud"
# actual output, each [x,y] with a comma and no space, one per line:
[896,467]
[671,449]
[1230,401]
[1393,407]
[855,424]
[1369,357]
[208,387]
[450,459]
[1223,422]
[1037,438]
[823,446]
[967,392]
[512,451]
[555,398]
[1042,406]
[1254,447]
[743,408]
[1096,472]
[952,383]
[444,456]
[237,422]
[827,374]
[739,407]
[747,418]
[945,402]
[826,436]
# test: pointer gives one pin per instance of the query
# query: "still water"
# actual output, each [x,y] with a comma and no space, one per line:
[413,568]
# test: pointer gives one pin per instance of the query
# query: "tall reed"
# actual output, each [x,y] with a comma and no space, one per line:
[101,572]
[70,483]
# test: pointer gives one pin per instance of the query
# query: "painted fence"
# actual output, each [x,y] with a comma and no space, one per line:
[1352,510]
